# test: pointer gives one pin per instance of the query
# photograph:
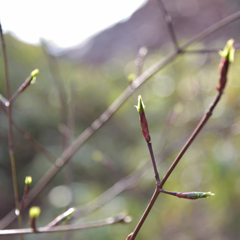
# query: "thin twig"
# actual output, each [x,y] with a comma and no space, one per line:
[199,51]
[210,30]
[31,79]
[66,112]
[69,134]
[145,214]
[139,60]
[99,223]
[56,76]
[4,102]
[65,216]
[168,192]
[157,178]
[168,20]
[10,132]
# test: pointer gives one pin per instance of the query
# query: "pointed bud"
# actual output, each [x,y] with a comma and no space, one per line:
[35,72]
[33,75]
[228,51]
[143,120]
[195,195]
[227,57]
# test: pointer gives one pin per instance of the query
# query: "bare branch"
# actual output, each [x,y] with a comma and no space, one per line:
[10,132]
[210,30]
[121,218]
[168,20]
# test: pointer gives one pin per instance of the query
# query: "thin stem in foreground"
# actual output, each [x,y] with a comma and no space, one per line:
[121,218]
[10,133]
[145,214]
[153,163]
[139,60]
[168,20]
[210,30]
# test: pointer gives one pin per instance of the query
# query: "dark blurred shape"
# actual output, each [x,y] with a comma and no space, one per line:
[146,27]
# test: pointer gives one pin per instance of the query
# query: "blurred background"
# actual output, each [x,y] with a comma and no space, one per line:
[78,82]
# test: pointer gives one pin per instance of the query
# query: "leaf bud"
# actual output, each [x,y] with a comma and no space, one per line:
[142,119]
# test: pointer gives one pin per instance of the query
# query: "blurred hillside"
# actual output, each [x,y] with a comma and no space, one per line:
[146,27]
[176,98]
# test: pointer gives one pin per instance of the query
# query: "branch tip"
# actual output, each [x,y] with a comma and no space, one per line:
[28,180]
[195,195]
[142,119]
[34,212]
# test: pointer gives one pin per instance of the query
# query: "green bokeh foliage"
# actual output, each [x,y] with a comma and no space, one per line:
[175,100]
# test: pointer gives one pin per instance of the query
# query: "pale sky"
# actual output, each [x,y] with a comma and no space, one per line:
[65,23]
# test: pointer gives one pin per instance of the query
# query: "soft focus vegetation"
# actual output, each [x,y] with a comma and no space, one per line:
[175,99]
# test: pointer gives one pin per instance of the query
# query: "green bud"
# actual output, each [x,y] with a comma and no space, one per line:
[131,77]
[34,212]
[195,195]
[204,194]
[142,119]
[28,180]
[34,73]
[140,107]
[228,51]
[33,76]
